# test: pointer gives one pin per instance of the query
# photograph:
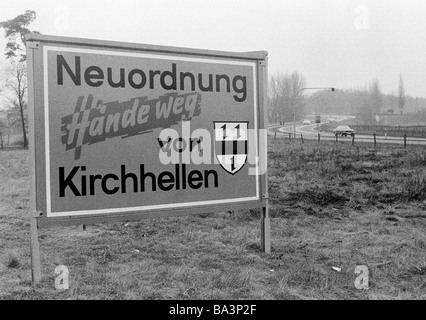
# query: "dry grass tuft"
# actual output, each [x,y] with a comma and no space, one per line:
[11,260]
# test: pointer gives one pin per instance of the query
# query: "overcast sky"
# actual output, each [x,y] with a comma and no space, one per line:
[341,43]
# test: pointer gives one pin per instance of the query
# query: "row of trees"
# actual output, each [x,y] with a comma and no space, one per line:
[364,103]
[285,95]
[13,79]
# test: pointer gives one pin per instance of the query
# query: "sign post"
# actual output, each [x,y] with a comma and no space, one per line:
[265,227]
[35,252]
[33,214]
[124,131]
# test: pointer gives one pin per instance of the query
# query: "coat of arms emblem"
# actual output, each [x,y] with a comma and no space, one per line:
[231,138]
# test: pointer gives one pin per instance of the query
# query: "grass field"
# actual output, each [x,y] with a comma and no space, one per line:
[331,205]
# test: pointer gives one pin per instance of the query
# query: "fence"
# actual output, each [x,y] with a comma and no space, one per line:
[394,131]
[336,139]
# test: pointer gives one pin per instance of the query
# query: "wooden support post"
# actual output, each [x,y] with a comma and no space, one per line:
[319,137]
[275,135]
[375,142]
[405,140]
[301,137]
[265,229]
[34,215]
[84,227]
[289,136]
[353,139]
[337,138]
[35,250]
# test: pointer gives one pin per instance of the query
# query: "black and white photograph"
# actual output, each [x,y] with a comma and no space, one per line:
[213,158]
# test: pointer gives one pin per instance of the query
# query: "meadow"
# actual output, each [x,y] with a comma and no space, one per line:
[331,205]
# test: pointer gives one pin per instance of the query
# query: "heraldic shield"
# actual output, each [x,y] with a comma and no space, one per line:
[231,139]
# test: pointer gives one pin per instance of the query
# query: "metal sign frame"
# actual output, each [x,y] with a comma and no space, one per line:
[36,58]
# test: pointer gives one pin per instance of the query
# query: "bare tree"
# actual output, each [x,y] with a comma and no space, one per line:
[391,99]
[401,95]
[295,83]
[274,98]
[285,96]
[365,110]
[2,126]
[15,92]
[2,123]
[376,97]
[417,104]
[16,76]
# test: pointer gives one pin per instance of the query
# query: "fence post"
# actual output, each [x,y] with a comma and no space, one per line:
[289,136]
[301,137]
[319,137]
[337,138]
[275,135]
[353,139]
[405,140]
[374,135]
